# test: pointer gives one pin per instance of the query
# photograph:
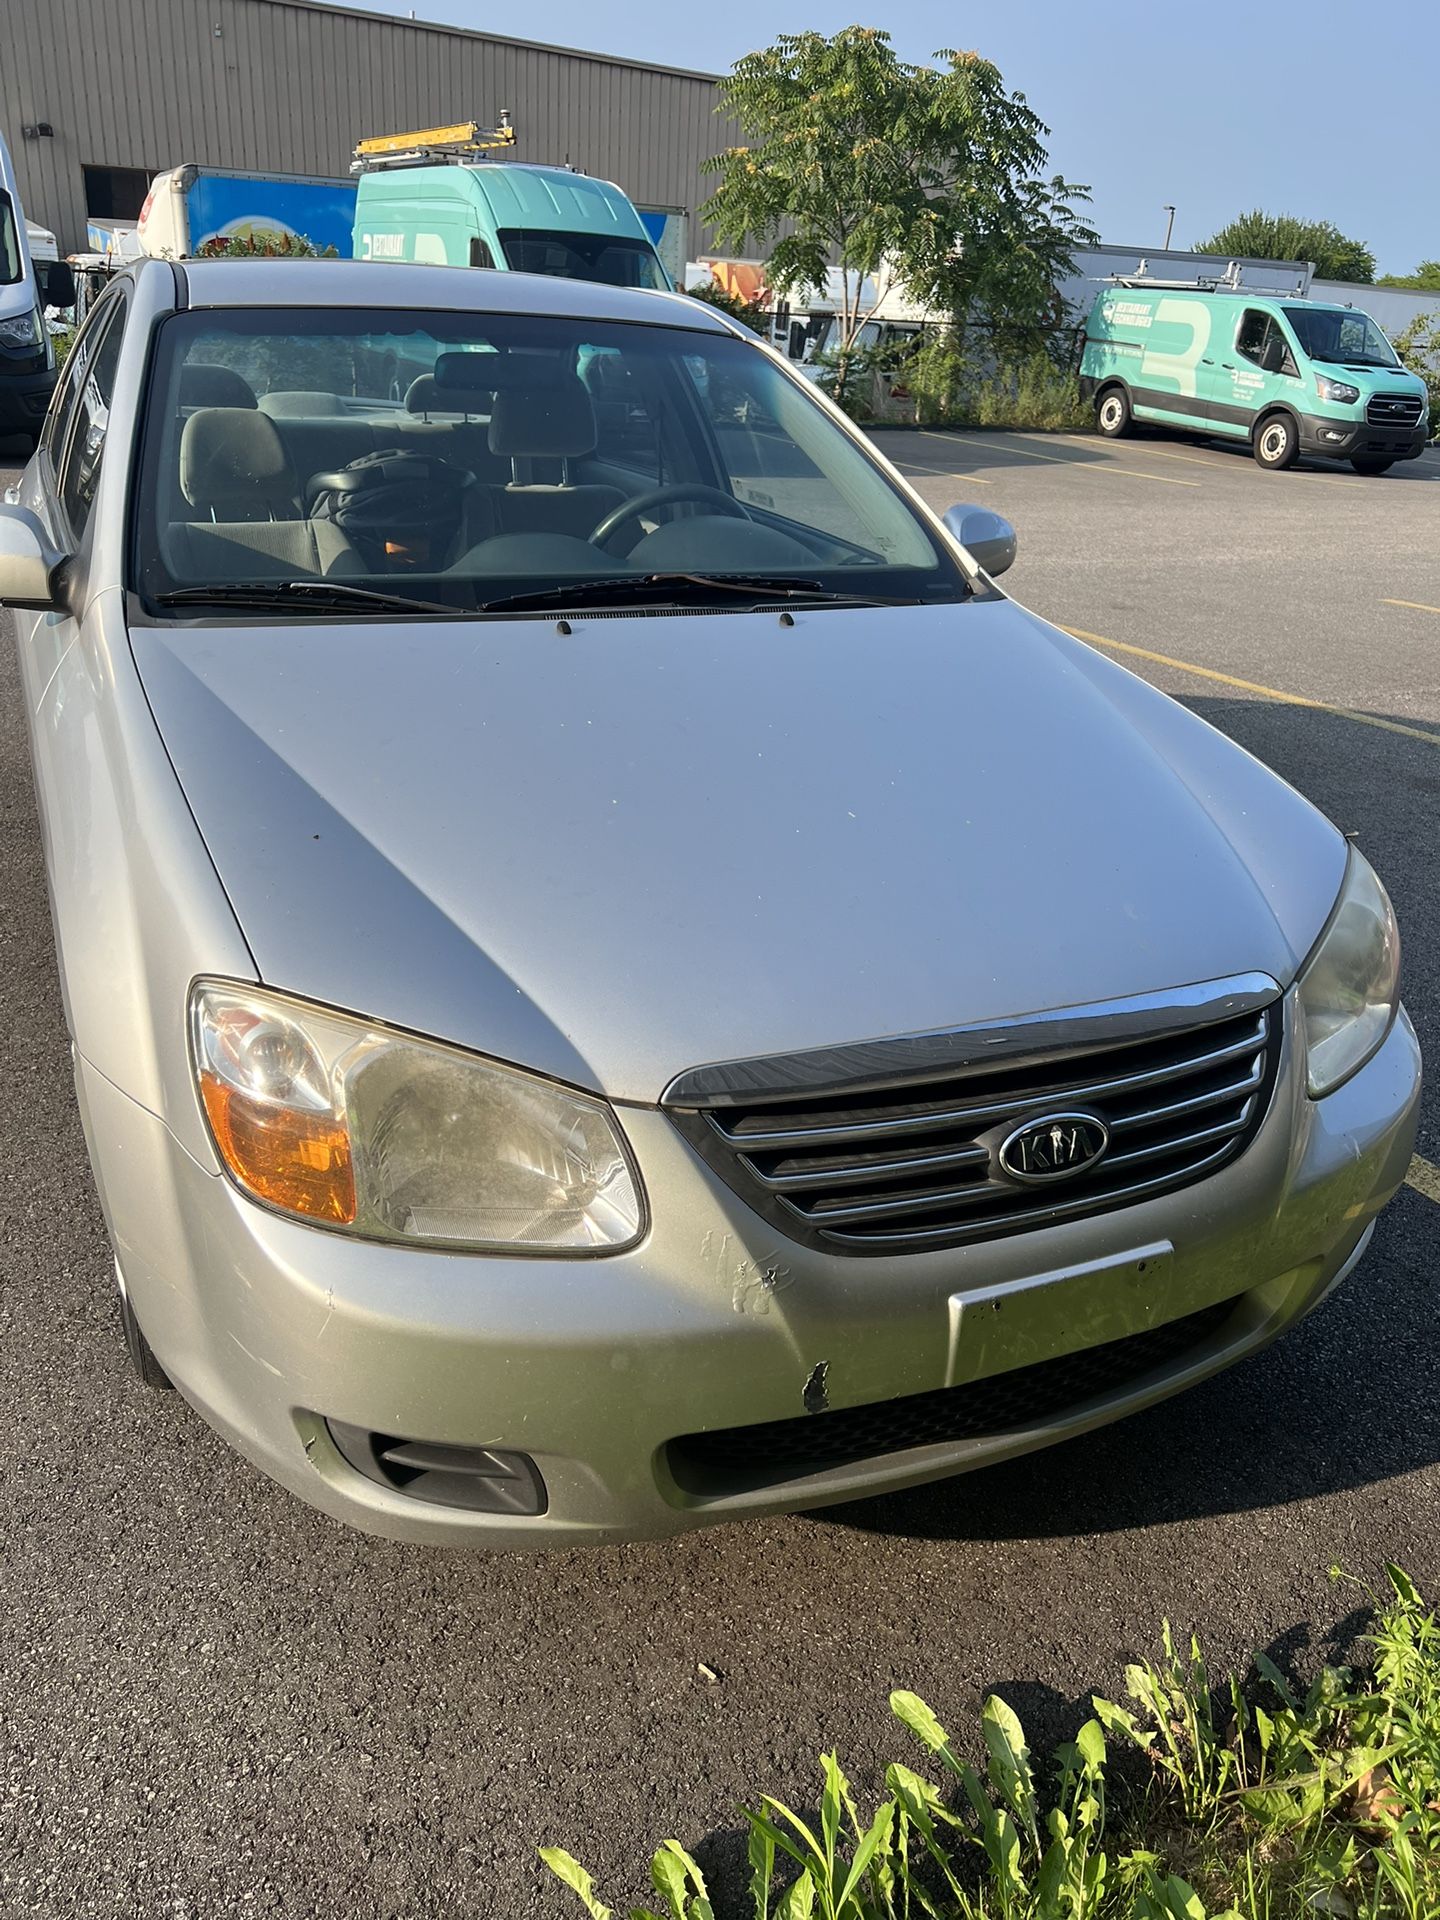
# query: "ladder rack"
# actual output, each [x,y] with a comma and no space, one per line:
[463,144]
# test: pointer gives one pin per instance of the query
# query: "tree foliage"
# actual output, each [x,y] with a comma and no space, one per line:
[750,313]
[926,178]
[1282,236]
[1425,278]
[1419,347]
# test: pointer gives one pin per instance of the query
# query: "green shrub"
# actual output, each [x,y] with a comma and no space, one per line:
[1419,347]
[1261,1803]
[1027,389]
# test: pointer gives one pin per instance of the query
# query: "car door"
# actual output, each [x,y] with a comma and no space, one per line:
[60,484]
[1258,370]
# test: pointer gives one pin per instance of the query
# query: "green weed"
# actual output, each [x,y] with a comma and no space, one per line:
[1262,1803]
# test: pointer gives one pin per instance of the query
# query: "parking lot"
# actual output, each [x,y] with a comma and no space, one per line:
[218,1703]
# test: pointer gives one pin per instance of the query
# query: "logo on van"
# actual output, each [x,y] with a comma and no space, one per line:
[1054,1146]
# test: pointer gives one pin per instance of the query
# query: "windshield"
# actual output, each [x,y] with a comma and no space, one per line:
[1341,337]
[9,243]
[584,256]
[464,460]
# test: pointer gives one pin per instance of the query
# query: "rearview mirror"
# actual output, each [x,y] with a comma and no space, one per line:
[56,282]
[989,540]
[27,562]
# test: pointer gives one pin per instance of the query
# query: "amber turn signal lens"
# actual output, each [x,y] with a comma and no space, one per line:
[299,1161]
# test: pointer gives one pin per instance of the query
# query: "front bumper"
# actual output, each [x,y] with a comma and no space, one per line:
[1333,439]
[24,396]
[592,1367]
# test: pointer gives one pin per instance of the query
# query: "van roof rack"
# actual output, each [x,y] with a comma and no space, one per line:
[459,145]
[1227,282]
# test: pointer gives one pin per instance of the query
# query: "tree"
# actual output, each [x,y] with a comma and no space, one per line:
[1281,236]
[928,178]
[1425,278]
[1419,347]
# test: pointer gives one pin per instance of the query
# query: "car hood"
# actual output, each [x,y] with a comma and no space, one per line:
[647,844]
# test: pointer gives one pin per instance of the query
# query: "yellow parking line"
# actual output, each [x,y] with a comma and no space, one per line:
[1418,605]
[942,473]
[1253,686]
[1424,1178]
[1102,466]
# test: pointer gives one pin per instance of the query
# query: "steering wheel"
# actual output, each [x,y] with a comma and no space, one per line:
[629,510]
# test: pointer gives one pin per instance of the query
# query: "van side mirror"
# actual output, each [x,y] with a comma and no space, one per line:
[55,281]
[989,540]
[28,563]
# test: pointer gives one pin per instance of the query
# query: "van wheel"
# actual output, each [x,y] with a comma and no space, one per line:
[1363,465]
[1112,415]
[142,1355]
[1276,442]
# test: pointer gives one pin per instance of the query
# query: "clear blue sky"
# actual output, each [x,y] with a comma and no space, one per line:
[1144,106]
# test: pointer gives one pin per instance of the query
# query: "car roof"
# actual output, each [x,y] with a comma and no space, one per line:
[372,284]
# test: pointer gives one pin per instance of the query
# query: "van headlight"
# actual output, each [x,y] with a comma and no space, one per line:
[1350,985]
[1340,391]
[22,330]
[348,1125]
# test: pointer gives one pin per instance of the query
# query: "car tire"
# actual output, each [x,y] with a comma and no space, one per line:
[1112,413]
[1362,465]
[147,1368]
[1277,444]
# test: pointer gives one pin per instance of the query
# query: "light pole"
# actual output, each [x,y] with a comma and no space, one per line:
[1169,225]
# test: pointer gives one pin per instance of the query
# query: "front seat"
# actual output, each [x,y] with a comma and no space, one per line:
[238,481]
[544,421]
[233,466]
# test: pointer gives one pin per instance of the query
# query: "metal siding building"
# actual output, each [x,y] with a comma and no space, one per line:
[289,86]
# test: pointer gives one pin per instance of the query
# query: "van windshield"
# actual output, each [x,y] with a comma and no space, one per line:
[9,243]
[617,261]
[319,460]
[1340,337]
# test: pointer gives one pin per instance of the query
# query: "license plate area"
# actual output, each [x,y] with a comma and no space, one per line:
[1043,1316]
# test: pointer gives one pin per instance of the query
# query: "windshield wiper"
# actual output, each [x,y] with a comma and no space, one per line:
[263,596]
[617,590]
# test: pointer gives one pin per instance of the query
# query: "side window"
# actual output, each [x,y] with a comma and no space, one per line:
[1250,340]
[1261,340]
[625,431]
[480,254]
[84,444]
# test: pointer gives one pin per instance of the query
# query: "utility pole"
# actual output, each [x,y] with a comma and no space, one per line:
[1169,224]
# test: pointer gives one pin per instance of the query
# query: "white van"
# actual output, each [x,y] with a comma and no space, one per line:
[27,357]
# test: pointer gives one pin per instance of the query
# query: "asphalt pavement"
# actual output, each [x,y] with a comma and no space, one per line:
[214,1701]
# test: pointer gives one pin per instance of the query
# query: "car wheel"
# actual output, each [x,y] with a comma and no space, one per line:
[1112,414]
[1276,442]
[1362,465]
[142,1355]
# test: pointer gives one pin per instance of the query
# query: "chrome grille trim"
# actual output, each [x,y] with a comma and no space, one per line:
[910,1164]
[1394,409]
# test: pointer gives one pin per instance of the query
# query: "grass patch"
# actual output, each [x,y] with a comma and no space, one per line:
[1255,1801]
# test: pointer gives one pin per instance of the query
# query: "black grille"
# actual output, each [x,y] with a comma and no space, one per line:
[732,1459]
[479,1479]
[1394,409]
[894,1170]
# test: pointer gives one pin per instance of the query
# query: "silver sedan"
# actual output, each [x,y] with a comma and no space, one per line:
[617,981]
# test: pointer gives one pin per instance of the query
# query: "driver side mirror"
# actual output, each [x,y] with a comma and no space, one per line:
[28,563]
[55,282]
[989,540]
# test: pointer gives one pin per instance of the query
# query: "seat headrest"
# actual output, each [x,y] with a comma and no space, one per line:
[202,385]
[233,456]
[550,421]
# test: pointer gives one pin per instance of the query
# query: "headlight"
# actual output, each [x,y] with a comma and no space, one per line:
[348,1125]
[20,330]
[1340,391]
[1350,988]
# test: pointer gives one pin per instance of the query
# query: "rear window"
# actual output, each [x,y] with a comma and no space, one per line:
[10,268]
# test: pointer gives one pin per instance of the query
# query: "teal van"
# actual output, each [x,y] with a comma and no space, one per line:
[504,214]
[1289,375]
